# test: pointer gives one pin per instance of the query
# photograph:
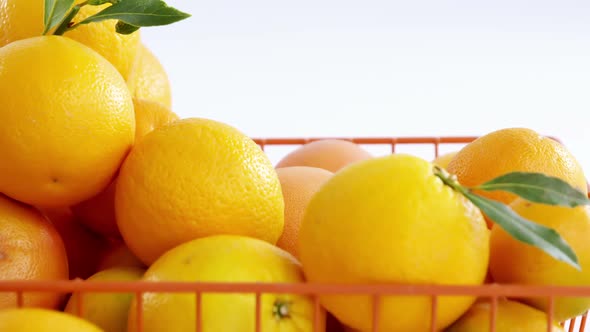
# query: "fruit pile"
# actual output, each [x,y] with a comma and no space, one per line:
[100,180]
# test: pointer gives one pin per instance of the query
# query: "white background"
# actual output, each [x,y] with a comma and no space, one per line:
[374,68]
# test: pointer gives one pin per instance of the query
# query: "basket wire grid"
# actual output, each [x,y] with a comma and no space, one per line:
[492,292]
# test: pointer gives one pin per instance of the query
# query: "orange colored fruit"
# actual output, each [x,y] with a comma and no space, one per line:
[30,249]
[298,184]
[65,132]
[514,262]
[510,316]
[510,150]
[195,178]
[119,256]
[392,220]
[108,311]
[98,212]
[22,19]
[329,154]
[148,78]
[444,159]
[83,247]
[225,258]
[43,320]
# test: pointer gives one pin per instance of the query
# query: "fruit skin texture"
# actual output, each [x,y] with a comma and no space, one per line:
[329,154]
[390,219]
[225,258]
[148,78]
[511,316]
[108,311]
[298,184]
[98,212]
[30,249]
[43,320]
[514,262]
[66,132]
[20,19]
[514,149]
[194,178]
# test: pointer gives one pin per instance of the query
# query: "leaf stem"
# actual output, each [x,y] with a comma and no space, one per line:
[65,25]
[449,179]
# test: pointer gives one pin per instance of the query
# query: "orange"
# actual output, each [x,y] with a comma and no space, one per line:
[21,19]
[511,316]
[298,184]
[83,247]
[226,258]
[119,256]
[329,154]
[148,78]
[43,320]
[98,212]
[194,178]
[510,150]
[30,249]
[108,311]
[118,49]
[392,220]
[514,262]
[65,132]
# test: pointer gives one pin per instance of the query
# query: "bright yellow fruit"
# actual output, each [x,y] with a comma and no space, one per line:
[444,159]
[512,261]
[390,219]
[514,149]
[150,115]
[148,78]
[226,258]
[511,316]
[194,178]
[20,19]
[43,320]
[67,121]
[108,311]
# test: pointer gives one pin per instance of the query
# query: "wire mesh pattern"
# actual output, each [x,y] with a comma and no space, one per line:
[491,292]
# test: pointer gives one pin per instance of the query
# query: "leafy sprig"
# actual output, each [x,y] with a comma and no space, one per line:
[131,15]
[534,187]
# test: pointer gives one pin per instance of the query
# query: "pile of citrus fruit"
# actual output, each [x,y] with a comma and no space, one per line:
[100,180]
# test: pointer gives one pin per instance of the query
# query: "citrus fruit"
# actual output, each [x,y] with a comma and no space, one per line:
[108,311]
[22,19]
[392,220]
[510,150]
[329,154]
[225,258]
[65,132]
[43,320]
[84,248]
[119,256]
[444,159]
[511,316]
[512,261]
[193,178]
[98,212]
[148,78]
[30,249]
[298,184]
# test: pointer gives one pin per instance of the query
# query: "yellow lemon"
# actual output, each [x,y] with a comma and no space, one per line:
[226,258]
[43,320]
[392,220]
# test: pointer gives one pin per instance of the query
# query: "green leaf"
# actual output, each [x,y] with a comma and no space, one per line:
[139,13]
[538,188]
[125,29]
[101,2]
[526,231]
[55,12]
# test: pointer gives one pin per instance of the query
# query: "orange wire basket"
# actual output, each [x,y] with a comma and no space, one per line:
[491,292]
